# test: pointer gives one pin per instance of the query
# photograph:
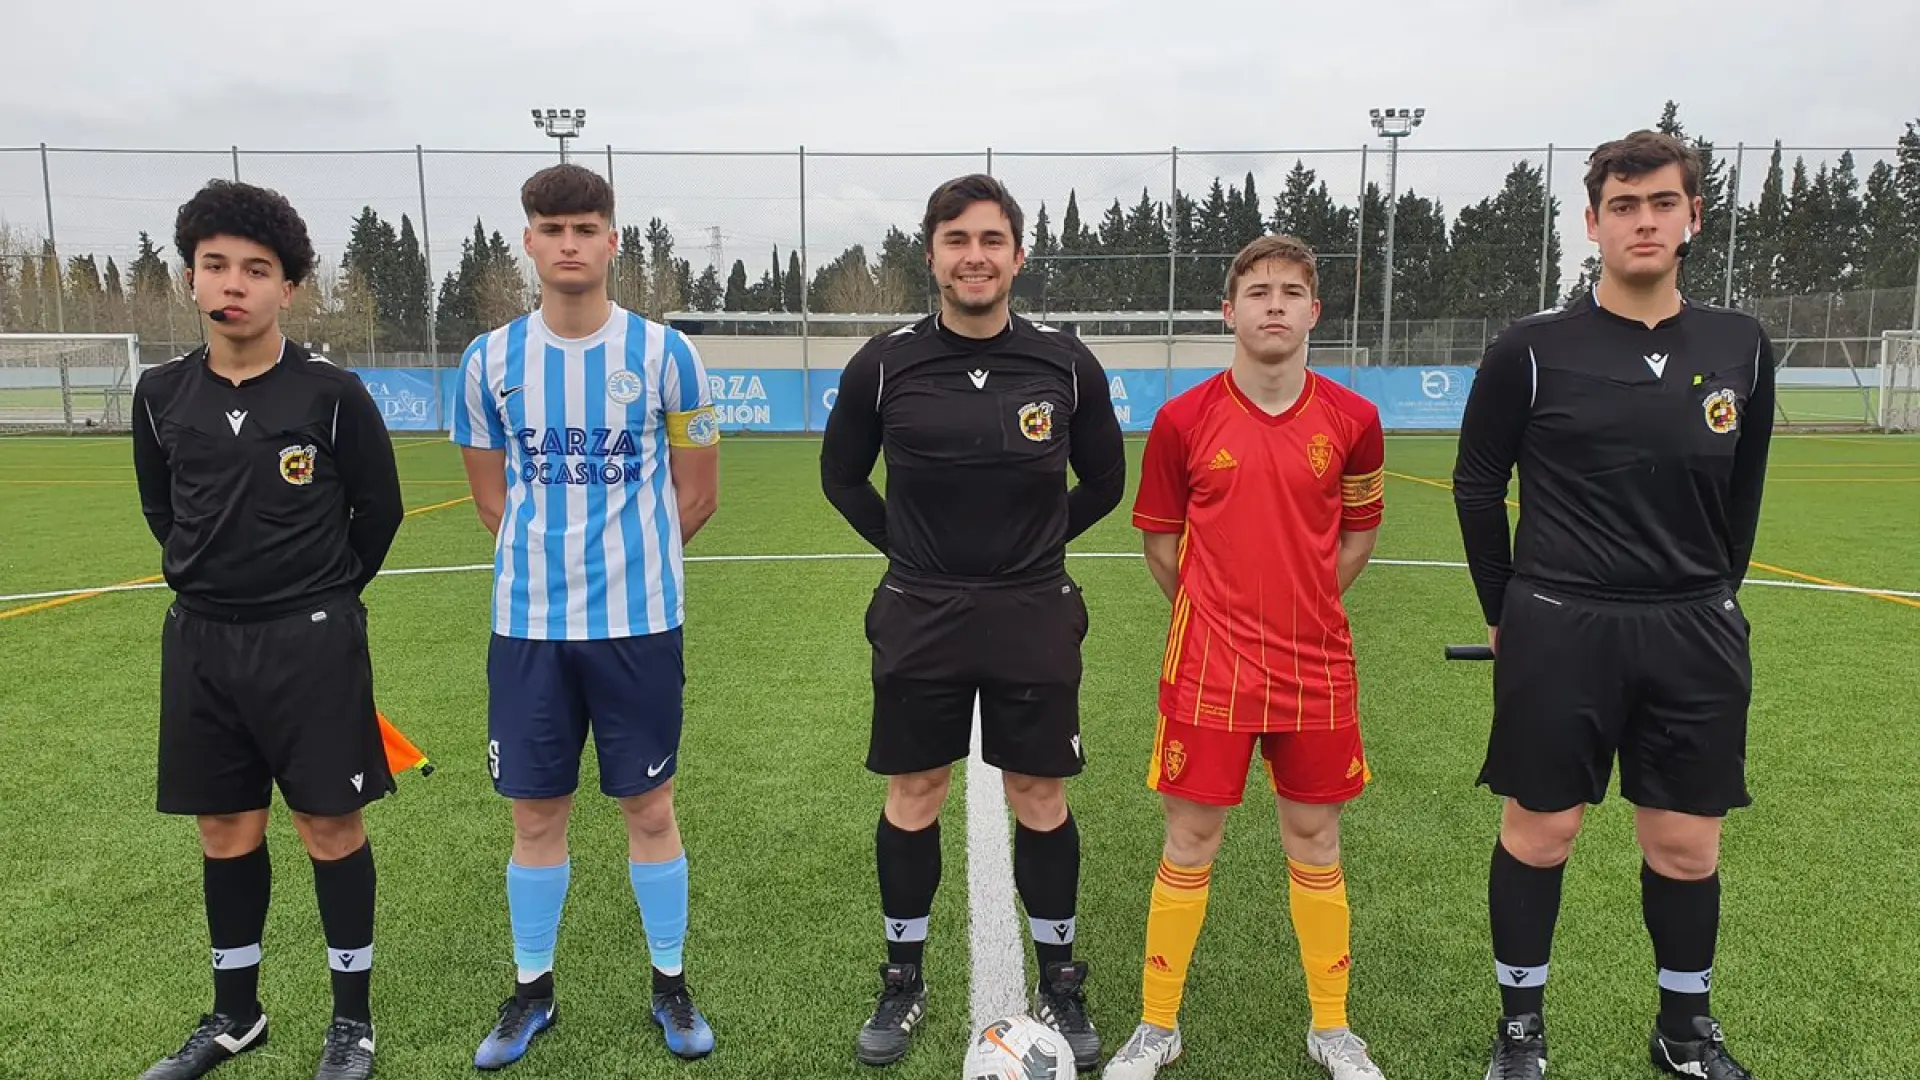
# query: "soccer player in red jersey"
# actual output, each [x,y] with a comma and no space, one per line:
[1260,496]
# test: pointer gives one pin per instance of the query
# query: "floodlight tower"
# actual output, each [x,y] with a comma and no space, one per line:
[562,124]
[1393,125]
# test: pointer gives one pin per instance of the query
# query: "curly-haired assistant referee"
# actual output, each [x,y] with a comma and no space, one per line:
[267,476]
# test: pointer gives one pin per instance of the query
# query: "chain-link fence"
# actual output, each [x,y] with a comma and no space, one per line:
[420,248]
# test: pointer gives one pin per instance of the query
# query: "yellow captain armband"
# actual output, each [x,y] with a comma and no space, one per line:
[698,428]
[1364,488]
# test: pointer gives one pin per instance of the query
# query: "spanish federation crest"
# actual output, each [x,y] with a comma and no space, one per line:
[296,465]
[1723,415]
[1320,454]
[1036,420]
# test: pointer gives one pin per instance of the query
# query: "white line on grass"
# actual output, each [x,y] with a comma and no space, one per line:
[999,957]
[859,555]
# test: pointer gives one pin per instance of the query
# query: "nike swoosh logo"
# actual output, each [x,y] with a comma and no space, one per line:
[510,391]
[654,770]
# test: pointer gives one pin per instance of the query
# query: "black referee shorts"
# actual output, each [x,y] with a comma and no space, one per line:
[290,700]
[1017,646]
[1665,685]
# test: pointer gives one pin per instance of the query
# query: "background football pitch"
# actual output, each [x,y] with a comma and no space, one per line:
[103,959]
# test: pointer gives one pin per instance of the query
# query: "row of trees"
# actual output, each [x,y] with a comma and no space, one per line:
[1807,231]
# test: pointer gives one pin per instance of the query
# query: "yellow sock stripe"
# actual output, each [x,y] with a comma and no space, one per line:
[1316,878]
[1186,878]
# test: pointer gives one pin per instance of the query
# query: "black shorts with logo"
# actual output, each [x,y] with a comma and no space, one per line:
[290,700]
[935,645]
[1665,684]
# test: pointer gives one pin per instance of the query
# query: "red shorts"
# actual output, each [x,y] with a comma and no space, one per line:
[1209,765]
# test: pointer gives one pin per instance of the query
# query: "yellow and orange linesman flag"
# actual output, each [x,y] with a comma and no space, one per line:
[401,753]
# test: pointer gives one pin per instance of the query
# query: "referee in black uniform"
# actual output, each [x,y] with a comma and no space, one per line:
[1639,421]
[980,413]
[268,478]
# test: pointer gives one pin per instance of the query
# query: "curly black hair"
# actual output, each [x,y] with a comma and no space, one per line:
[264,216]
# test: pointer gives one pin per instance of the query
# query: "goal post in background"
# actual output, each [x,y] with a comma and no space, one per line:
[1900,380]
[67,383]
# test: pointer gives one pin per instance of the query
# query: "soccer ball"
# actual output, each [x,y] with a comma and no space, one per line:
[1019,1048]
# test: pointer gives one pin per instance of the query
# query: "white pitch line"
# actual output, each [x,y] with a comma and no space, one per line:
[863,555]
[999,956]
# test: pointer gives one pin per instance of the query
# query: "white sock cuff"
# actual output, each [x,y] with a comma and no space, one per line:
[1686,982]
[1052,931]
[908,930]
[240,956]
[350,959]
[1519,977]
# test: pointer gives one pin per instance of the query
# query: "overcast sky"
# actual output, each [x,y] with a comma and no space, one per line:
[870,75]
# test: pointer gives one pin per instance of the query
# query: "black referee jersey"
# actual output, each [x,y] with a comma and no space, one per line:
[266,496]
[978,435]
[1642,452]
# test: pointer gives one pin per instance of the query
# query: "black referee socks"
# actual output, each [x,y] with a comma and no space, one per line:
[1523,903]
[1046,871]
[237,891]
[344,889]
[1683,918]
[909,865]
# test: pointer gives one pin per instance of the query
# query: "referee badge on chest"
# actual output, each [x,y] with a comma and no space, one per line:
[296,465]
[623,387]
[1036,420]
[1722,412]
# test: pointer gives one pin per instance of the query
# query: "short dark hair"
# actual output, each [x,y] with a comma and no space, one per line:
[567,189]
[952,198]
[264,216]
[1287,249]
[1637,155]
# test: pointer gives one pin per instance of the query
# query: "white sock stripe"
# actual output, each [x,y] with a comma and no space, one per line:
[240,956]
[350,959]
[1519,977]
[1051,931]
[909,930]
[1686,982]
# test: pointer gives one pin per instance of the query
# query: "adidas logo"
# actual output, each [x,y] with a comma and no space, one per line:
[1159,964]
[1340,965]
[1223,460]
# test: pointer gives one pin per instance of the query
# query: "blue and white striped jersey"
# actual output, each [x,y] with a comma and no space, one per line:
[589,542]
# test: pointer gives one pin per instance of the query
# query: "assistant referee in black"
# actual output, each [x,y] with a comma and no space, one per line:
[267,475]
[980,413]
[1639,421]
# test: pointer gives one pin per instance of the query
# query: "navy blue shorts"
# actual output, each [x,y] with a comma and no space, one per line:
[544,695]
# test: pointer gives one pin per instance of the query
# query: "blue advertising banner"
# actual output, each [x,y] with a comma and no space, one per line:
[762,399]
[823,389]
[1137,396]
[1416,399]
[789,400]
[408,398]
[449,387]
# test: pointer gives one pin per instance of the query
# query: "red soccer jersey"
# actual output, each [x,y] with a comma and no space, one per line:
[1259,638]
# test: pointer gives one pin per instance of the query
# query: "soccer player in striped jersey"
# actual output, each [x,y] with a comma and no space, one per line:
[1260,496]
[592,450]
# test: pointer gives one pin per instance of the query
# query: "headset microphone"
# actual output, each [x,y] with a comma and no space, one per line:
[217,315]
